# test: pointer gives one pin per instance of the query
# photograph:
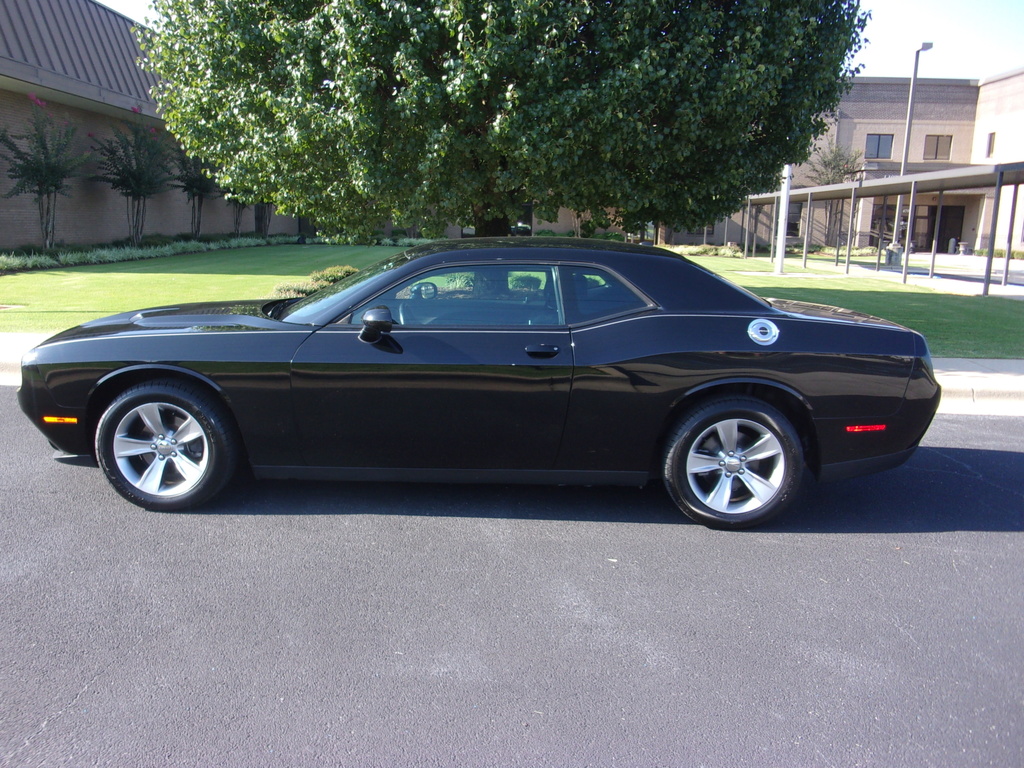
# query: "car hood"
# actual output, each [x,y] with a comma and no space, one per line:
[825,312]
[186,318]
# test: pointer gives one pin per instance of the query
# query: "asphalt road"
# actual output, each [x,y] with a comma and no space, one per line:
[290,624]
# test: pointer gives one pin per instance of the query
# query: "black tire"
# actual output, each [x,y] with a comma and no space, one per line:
[167,445]
[733,462]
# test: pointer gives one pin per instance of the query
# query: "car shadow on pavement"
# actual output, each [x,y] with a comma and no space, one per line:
[939,489]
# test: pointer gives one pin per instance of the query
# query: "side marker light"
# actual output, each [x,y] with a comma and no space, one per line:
[60,419]
[866,428]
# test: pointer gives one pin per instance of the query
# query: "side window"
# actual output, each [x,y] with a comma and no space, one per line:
[592,293]
[474,295]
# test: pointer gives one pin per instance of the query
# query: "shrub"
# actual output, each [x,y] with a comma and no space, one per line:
[294,290]
[9,261]
[317,280]
[409,242]
[332,274]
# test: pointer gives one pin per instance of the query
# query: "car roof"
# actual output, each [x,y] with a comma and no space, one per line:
[554,248]
[673,281]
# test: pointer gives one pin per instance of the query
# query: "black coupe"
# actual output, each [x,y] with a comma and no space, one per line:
[521,360]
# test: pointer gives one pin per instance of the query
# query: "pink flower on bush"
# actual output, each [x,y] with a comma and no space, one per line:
[137,110]
[36,100]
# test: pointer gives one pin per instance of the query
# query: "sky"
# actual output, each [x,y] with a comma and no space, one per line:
[972,40]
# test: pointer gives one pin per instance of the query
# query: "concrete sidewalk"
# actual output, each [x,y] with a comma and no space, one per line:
[953,273]
[968,386]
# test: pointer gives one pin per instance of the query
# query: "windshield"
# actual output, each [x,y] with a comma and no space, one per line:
[308,309]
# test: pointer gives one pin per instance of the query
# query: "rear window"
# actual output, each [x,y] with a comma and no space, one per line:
[592,293]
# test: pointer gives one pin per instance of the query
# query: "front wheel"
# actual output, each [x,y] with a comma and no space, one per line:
[167,445]
[735,462]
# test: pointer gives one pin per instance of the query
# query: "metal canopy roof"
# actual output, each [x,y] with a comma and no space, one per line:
[974,177]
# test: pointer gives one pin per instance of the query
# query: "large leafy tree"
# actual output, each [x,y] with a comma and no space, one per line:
[352,111]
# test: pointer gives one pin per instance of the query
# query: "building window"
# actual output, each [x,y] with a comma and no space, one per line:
[879,146]
[937,147]
[991,149]
[796,211]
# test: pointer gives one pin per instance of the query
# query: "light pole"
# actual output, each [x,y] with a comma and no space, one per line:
[906,146]
[780,243]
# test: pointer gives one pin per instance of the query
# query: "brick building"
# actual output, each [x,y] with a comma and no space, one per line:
[80,59]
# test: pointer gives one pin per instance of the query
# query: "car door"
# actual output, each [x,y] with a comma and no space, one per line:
[474,375]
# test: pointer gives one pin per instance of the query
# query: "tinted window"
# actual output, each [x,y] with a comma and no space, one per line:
[474,295]
[937,147]
[878,145]
[592,293]
[308,309]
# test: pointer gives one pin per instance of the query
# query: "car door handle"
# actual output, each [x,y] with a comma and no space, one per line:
[542,350]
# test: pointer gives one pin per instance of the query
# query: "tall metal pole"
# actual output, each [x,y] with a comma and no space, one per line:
[849,230]
[992,235]
[910,230]
[882,225]
[746,228]
[906,146]
[807,225]
[935,240]
[1009,236]
[780,244]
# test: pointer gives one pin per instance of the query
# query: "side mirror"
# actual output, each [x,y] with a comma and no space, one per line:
[376,323]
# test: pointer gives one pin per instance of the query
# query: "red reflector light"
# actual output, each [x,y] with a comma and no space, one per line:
[60,419]
[866,428]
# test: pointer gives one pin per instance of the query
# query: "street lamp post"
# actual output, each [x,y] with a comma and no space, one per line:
[906,151]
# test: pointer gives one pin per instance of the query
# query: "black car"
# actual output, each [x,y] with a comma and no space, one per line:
[527,360]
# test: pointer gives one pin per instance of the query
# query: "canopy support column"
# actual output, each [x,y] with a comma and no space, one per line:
[909,240]
[992,234]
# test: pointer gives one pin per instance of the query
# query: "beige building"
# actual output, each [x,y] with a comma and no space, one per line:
[956,124]
[79,58]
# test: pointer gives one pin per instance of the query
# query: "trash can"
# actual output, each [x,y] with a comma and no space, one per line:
[894,255]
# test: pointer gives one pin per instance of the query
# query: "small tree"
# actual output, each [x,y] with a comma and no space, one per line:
[42,164]
[833,164]
[263,212]
[135,163]
[195,178]
[238,206]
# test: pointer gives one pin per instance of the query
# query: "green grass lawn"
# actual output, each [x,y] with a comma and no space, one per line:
[51,300]
[955,326]
[48,301]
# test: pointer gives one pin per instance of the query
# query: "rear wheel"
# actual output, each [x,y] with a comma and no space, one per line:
[734,462]
[167,445]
